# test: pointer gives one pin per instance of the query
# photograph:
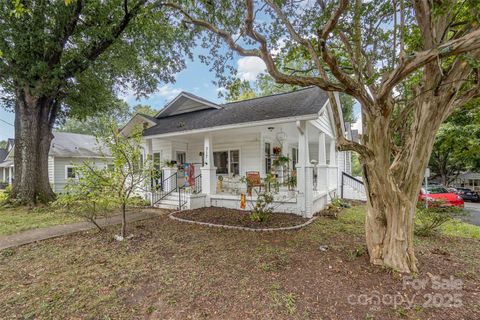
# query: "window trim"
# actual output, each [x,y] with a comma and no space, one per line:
[228,150]
[70,166]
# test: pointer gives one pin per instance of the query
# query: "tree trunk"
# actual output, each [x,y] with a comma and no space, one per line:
[389,223]
[34,118]
[124,221]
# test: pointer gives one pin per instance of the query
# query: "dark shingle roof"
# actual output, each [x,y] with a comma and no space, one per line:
[302,102]
[3,154]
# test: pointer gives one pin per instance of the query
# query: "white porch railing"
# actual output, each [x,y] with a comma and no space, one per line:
[332,177]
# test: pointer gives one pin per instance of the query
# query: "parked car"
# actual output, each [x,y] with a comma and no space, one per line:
[468,194]
[440,196]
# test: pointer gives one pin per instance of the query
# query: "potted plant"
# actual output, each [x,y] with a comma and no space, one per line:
[277,150]
[291,184]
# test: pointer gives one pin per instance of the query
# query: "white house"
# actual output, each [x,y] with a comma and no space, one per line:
[221,143]
[67,150]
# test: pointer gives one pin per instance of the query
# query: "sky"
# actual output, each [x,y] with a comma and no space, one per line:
[196,78]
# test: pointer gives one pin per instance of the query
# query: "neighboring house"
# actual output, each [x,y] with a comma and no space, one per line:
[225,142]
[6,166]
[67,150]
[469,180]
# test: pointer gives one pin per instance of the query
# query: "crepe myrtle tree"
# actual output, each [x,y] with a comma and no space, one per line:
[70,58]
[408,63]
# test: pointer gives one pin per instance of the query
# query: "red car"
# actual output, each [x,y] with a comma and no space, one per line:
[438,195]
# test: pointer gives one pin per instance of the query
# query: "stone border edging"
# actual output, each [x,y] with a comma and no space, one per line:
[214,225]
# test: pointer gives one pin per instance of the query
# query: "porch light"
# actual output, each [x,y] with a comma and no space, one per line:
[270,129]
[281,136]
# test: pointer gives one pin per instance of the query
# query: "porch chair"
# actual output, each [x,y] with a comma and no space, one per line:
[254,180]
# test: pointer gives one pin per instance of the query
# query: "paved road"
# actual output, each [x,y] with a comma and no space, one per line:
[474,210]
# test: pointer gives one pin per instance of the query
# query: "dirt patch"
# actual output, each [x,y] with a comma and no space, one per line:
[239,218]
[170,270]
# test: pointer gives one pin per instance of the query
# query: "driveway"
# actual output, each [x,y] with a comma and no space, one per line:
[474,210]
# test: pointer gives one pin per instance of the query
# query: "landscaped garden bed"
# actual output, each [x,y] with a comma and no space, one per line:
[171,270]
[240,218]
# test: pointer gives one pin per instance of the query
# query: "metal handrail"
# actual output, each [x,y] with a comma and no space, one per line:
[353,182]
[196,188]
[168,182]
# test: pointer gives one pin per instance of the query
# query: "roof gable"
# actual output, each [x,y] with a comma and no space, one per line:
[305,102]
[185,103]
[66,144]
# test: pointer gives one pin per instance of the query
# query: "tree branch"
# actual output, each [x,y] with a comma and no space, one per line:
[91,52]
[469,42]
[261,53]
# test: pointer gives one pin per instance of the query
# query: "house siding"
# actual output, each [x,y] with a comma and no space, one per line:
[58,170]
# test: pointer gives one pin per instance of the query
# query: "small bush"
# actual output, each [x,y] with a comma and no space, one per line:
[263,208]
[429,220]
[340,203]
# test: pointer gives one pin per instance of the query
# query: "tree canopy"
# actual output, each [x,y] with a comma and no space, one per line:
[99,124]
[457,145]
[71,58]
[84,53]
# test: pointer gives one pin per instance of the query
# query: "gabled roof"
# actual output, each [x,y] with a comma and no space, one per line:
[3,154]
[303,102]
[66,144]
[186,102]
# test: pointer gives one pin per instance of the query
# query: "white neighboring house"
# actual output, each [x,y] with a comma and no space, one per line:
[67,150]
[224,142]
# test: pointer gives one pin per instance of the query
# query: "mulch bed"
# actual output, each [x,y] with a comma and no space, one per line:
[239,218]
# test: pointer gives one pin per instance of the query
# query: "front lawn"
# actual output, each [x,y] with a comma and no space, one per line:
[13,220]
[171,270]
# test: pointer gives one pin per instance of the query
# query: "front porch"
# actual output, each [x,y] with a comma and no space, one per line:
[295,160]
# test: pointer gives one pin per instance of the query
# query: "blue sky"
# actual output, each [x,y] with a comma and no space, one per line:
[196,78]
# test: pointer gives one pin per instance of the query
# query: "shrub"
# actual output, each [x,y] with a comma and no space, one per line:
[263,207]
[88,196]
[429,220]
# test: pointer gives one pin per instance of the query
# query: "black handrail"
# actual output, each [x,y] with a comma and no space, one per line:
[195,188]
[169,185]
[353,182]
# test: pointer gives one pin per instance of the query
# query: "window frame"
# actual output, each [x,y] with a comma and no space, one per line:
[70,166]
[267,156]
[229,161]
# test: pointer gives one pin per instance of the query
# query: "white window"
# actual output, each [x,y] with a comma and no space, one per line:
[181,157]
[268,157]
[227,162]
[294,157]
[70,172]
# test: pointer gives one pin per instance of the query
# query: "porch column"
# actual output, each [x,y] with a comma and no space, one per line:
[322,168]
[284,171]
[149,183]
[209,183]
[333,174]
[10,175]
[149,149]
[304,171]
[333,154]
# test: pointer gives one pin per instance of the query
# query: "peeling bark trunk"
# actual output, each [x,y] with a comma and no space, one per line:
[34,119]
[389,223]
[392,181]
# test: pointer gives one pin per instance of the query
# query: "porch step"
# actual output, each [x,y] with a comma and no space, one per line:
[166,204]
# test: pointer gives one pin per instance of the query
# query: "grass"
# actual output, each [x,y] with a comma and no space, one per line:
[457,228]
[171,270]
[13,220]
